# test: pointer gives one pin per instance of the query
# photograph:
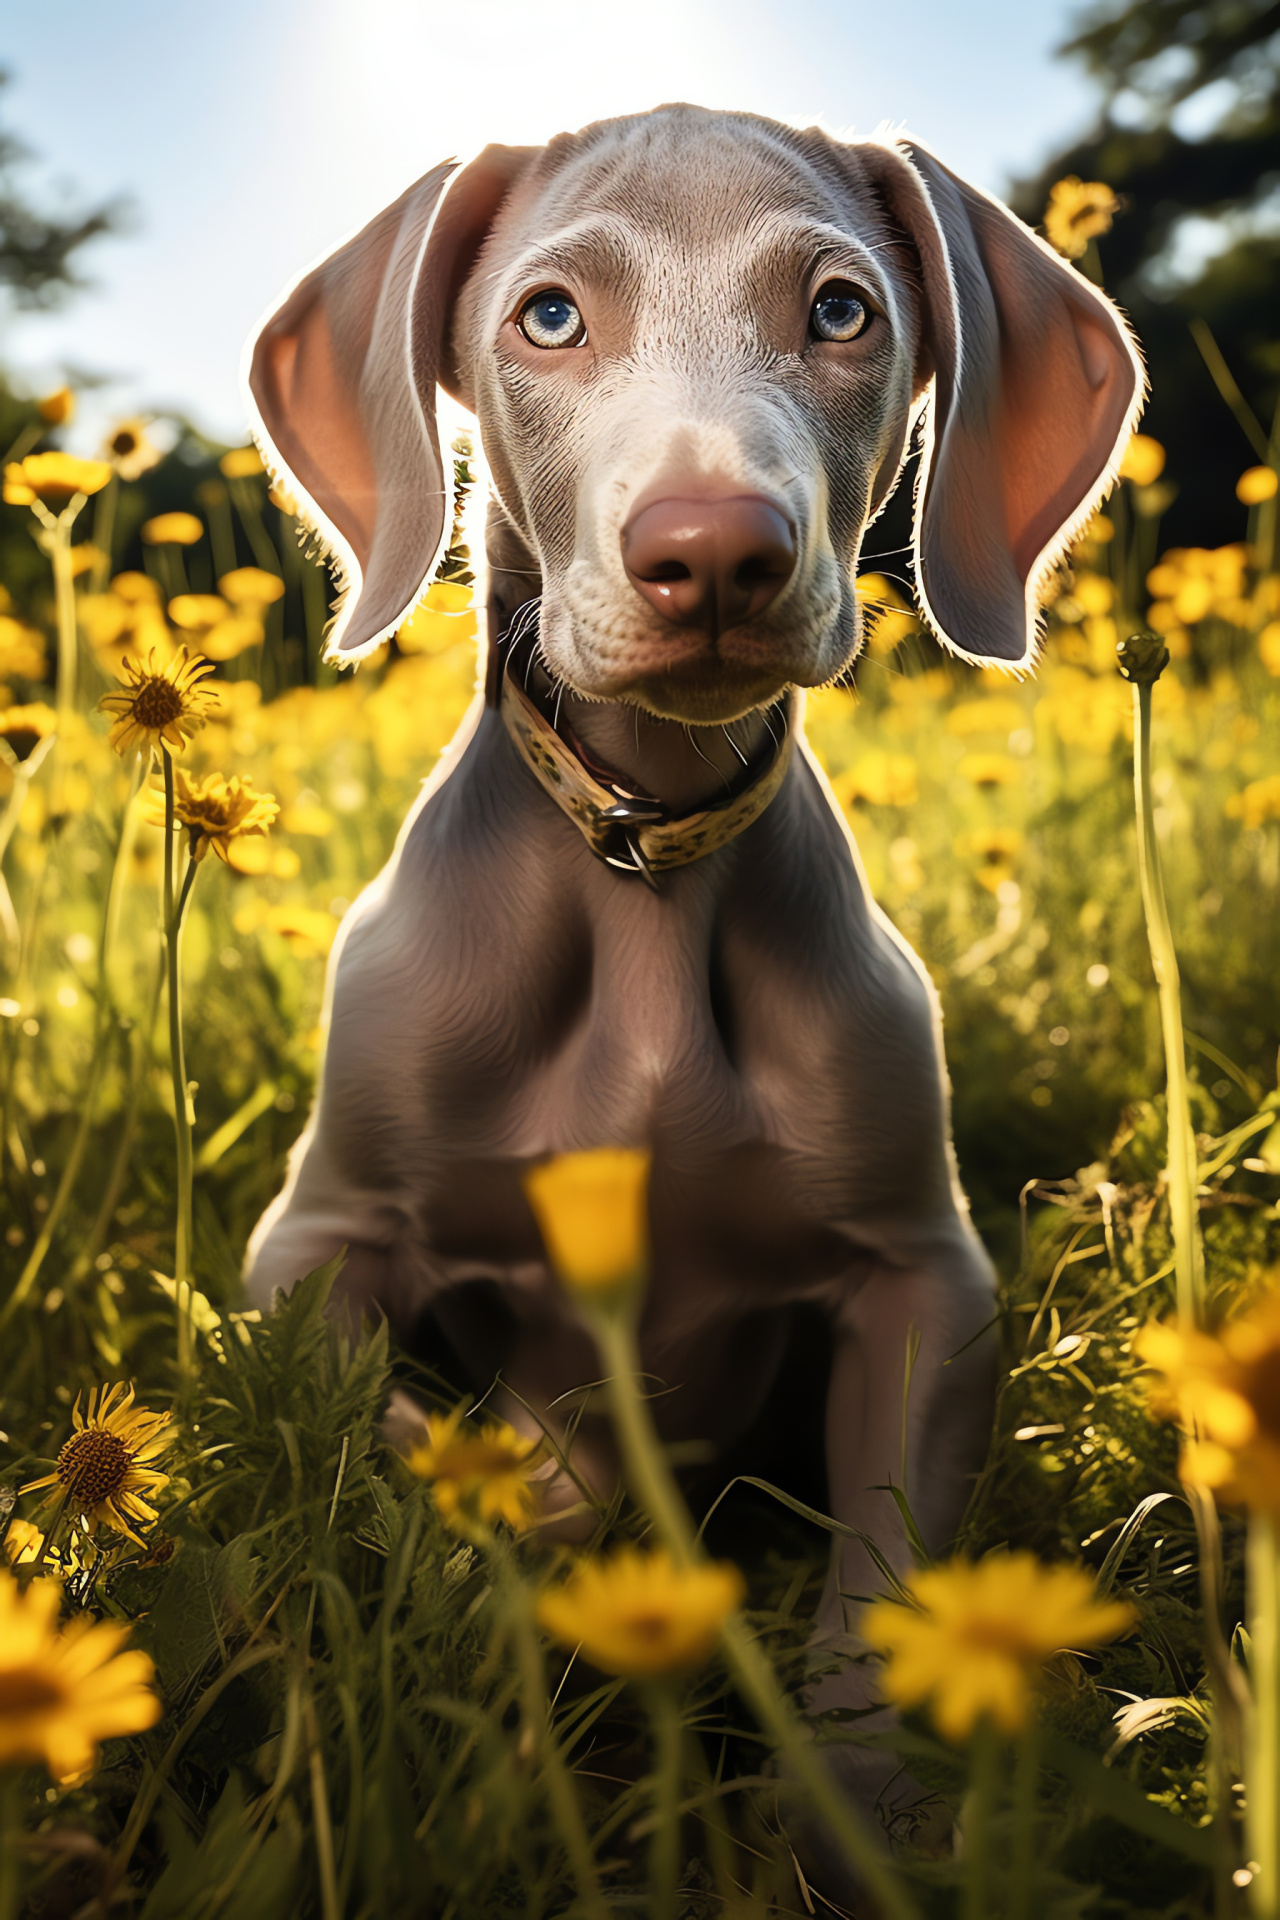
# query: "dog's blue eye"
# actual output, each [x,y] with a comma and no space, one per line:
[838,313]
[552,320]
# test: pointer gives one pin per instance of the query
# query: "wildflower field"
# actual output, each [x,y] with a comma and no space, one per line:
[266,1647]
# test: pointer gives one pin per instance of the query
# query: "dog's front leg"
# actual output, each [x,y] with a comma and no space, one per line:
[927,1437]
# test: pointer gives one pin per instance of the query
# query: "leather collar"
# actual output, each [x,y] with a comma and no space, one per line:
[623,826]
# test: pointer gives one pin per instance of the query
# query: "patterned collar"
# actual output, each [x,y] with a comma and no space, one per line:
[624,826]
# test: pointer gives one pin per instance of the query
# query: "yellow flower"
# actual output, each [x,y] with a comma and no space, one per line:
[23,728]
[989,769]
[21,650]
[478,1472]
[1226,1390]
[1143,460]
[1268,647]
[129,450]
[442,619]
[172,529]
[52,479]
[881,779]
[241,463]
[63,1693]
[22,1543]
[1258,803]
[197,612]
[1078,210]
[992,715]
[978,1633]
[57,408]
[1257,484]
[215,811]
[252,587]
[592,1212]
[308,929]
[104,1469]
[639,1614]
[160,706]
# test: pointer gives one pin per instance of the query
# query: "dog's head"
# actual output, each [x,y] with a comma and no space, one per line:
[696,344]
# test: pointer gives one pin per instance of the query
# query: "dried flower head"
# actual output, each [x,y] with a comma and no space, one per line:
[976,1636]
[640,1614]
[63,1693]
[161,706]
[104,1469]
[215,811]
[1077,212]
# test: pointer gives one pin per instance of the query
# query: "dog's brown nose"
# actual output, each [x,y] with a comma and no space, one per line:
[709,563]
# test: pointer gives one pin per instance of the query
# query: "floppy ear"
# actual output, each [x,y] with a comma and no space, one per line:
[341,385]
[1037,385]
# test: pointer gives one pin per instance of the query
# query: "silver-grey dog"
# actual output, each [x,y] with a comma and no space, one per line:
[627,910]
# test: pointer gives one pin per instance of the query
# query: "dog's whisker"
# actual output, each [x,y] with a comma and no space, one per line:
[688,732]
[733,743]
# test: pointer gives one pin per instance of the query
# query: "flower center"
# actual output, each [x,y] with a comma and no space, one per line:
[651,1627]
[157,703]
[93,1466]
[22,1691]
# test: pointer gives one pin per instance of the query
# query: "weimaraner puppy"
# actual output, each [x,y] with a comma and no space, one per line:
[626,909]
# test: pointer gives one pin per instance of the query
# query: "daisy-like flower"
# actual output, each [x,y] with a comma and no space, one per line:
[1077,212]
[216,811]
[161,706]
[129,450]
[1257,484]
[639,1614]
[979,1633]
[52,479]
[104,1474]
[63,1693]
[592,1210]
[478,1472]
[23,728]
[1226,1390]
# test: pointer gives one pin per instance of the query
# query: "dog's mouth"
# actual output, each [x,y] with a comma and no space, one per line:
[697,677]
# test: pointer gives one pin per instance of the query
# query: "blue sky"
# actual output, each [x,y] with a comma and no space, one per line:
[253,134]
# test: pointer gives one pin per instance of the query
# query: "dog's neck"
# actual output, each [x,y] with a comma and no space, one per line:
[683,766]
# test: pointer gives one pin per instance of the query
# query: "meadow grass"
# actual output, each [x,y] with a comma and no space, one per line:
[359,1718]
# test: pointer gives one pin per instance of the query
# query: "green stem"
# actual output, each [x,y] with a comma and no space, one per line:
[654,1486]
[182,1115]
[64,592]
[1188,1251]
[320,1814]
[533,1685]
[979,1808]
[8,1846]
[1025,1783]
[1263,1814]
[71,1170]
[664,1855]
